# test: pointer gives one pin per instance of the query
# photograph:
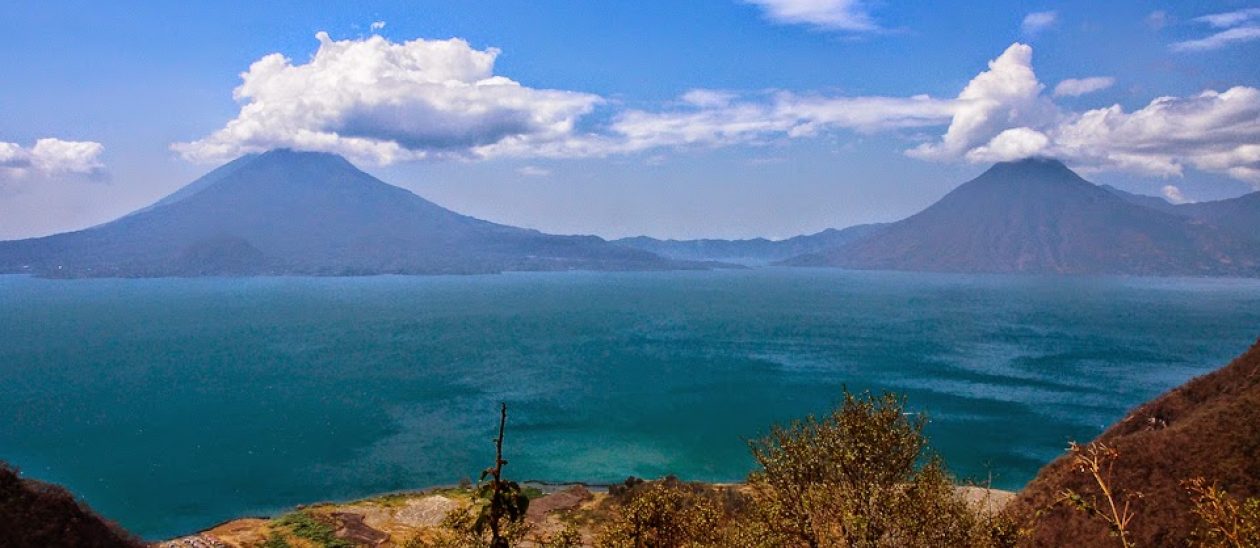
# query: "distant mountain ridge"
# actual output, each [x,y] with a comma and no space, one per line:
[287,212]
[1038,216]
[1240,216]
[754,251]
[304,213]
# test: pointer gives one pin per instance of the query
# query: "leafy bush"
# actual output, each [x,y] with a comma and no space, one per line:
[859,477]
[569,537]
[664,513]
[1224,520]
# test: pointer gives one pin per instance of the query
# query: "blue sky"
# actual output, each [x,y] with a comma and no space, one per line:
[810,113]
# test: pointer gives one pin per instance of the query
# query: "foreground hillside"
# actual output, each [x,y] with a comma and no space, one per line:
[1208,428]
[558,514]
[1037,216]
[306,213]
[34,513]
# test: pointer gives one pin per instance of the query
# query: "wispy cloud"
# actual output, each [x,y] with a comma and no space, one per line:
[1038,21]
[844,15]
[1239,26]
[533,171]
[376,25]
[1076,87]
[1220,39]
[1230,18]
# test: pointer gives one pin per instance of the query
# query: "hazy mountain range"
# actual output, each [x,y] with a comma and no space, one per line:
[1036,215]
[1240,216]
[286,212]
[754,251]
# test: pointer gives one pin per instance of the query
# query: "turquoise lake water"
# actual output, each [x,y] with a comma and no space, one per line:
[171,405]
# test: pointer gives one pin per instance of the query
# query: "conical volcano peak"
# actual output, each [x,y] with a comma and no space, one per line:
[1034,162]
[291,157]
[1032,166]
[287,212]
[1037,215]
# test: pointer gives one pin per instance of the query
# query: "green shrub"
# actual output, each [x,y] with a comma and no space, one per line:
[569,537]
[663,514]
[1223,519]
[276,540]
[858,477]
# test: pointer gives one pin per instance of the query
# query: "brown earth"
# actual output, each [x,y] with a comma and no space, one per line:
[1208,427]
[33,513]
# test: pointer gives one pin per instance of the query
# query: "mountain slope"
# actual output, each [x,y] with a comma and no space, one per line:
[286,212]
[1239,216]
[33,513]
[755,251]
[1037,216]
[1208,427]
[1153,202]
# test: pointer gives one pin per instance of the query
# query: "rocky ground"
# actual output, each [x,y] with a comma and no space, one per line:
[399,518]
[391,520]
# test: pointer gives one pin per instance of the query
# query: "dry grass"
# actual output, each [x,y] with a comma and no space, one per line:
[1208,427]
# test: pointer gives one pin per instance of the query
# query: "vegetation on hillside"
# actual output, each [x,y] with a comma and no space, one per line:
[1207,428]
[34,513]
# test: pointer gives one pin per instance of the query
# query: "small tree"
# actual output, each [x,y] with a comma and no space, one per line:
[1112,507]
[498,506]
[507,501]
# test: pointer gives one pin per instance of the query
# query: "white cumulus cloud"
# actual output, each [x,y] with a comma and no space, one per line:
[1005,96]
[1001,115]
[1011,144]
[379,101]
[51,156]
[845,15]
[1076,87]
[1038,21]
[1213,131]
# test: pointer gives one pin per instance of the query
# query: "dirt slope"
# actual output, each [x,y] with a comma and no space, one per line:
[1208,427]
